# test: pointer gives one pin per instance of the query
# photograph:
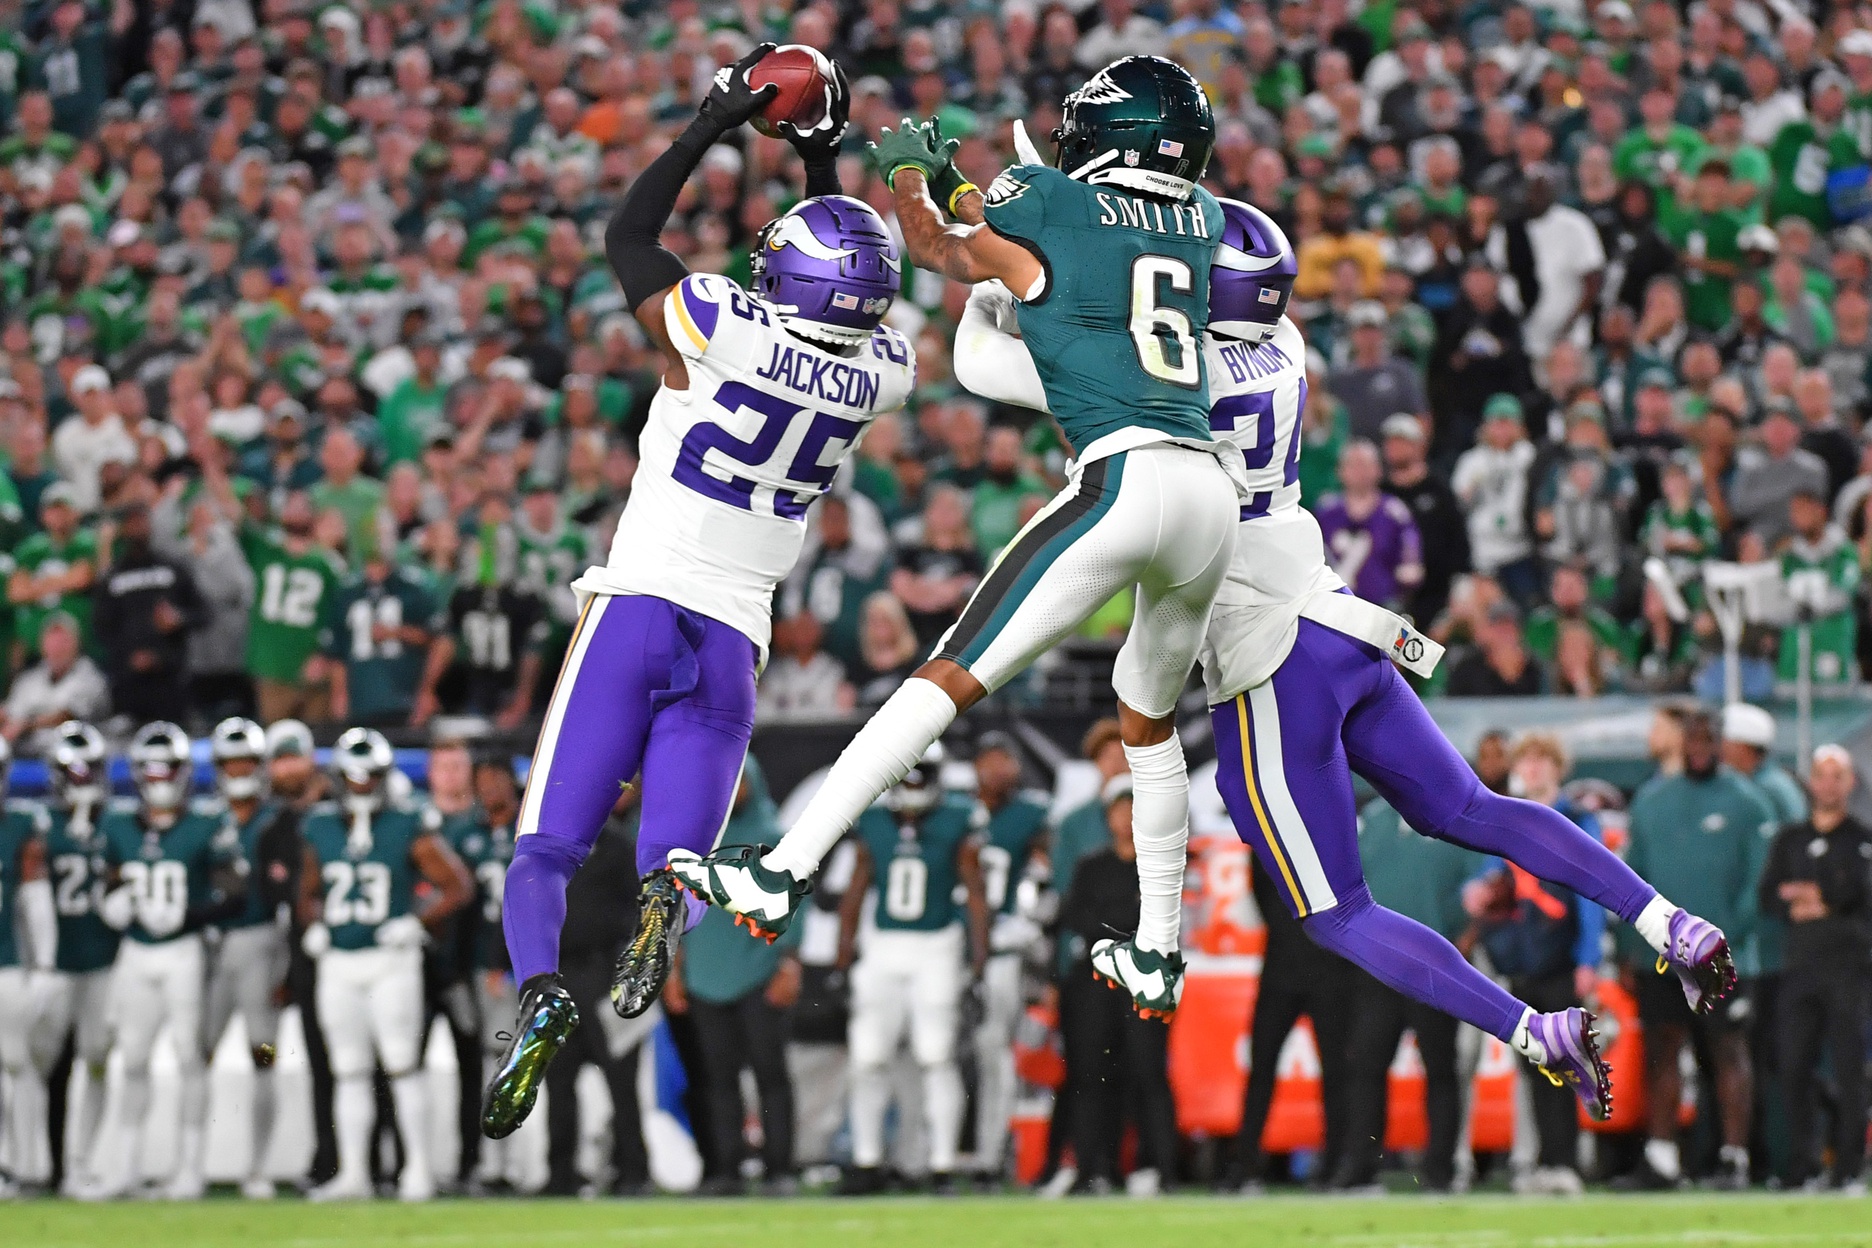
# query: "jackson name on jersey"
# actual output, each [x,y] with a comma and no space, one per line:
[1257,393]
[717,513]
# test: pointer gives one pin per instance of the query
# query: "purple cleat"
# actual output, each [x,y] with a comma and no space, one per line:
[1699,953]
[1573,1058]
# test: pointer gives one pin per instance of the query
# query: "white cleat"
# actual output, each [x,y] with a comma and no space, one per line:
[416,1185]
[761,899]
[258,1188]
[185,1187]
[353,1187]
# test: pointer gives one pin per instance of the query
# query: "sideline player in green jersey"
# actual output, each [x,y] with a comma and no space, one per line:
[175,871]
[28,942]
[916,849]
[1108,255]
[364,854]
[78,1006]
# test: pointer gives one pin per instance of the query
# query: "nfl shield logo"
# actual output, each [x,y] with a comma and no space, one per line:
[1131,158]
[843,300]
[1169,147]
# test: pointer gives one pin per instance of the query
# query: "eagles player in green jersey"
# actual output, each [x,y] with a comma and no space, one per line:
[77,1008]
[357,897]
[175,869]
[250,962]
[1108,256]
[916,849]
[28,940]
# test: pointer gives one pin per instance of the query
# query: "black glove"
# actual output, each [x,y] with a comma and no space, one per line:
[821,142]
[731,101]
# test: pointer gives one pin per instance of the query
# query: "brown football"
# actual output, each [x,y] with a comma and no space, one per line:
[804,77]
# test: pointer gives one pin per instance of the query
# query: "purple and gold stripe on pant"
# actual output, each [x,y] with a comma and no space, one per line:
[1275,854]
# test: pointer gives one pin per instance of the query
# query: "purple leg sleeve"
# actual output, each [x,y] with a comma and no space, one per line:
[1405,955]
[634,662]
[1397,747]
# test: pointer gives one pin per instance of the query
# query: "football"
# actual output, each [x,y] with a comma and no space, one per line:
[804,77]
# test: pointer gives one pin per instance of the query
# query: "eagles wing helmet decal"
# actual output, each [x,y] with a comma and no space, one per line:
[1099,89]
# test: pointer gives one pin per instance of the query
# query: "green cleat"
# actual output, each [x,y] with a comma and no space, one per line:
[647,961]
[547,1019]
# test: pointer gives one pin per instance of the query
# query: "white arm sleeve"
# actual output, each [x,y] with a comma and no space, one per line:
[40,923]
[990,359]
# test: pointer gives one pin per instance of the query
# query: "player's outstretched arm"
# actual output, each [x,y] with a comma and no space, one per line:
[914,159]
[644,267]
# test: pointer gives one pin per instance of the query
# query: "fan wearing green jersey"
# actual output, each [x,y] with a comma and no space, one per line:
[1820,567]
[1108,258]
[28,944]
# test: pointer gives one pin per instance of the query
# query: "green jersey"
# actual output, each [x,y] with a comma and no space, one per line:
[383,675]
[75,860]
[1707,236]
[407,415]
[1856,124]
[1640,156]
[549,563]
[913,863]
[487,849]
[1542,633]
[1420,877]
[41,555]
[721,961]
[1013,834]
[290,597]
[1823,577]
[1116,331]
[528,236]
[1702,843]
[366,871]
[172,873]
[257,912]
[1682,539]
[20,823]
[1802,158]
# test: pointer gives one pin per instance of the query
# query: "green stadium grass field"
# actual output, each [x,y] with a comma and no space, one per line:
[1704,1221]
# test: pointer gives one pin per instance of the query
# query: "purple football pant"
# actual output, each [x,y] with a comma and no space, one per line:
[1286,752]
[648,687]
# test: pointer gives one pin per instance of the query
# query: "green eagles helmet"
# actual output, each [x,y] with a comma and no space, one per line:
[1141,122]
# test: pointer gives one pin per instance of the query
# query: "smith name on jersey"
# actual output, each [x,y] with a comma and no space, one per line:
[728,467]
[1114,332]
[1258,391]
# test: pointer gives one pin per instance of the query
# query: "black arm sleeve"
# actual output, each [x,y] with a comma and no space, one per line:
[822,176]
[643,266]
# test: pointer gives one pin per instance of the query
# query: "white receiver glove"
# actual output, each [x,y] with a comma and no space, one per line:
[316,941]
[118,907]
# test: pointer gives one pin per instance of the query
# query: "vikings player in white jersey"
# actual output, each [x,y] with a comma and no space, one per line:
[765,391]
[1303,691]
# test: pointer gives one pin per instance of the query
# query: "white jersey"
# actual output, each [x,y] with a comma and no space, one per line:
[727,468]
[1256,395]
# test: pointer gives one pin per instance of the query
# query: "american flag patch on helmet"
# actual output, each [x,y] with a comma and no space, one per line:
[1269,295]
[842,300]
[1169,147]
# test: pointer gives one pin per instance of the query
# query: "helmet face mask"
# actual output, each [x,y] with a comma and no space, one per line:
[921,788]
[1252,276]
[829,268]
[160,765]
[76,761]
[239,751]
[363,759]
[1143,123]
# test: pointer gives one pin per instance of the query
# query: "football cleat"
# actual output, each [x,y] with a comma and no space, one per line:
[1699,953]
[647,961]
[547,1019]
[762,900]
[1154,980]
[1573,1059]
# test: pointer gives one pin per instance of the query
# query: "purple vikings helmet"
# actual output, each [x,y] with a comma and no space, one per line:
[1252,276]
[829,268]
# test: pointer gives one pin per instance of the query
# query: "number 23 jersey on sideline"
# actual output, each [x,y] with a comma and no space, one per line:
[728,467]
[1257,394]
[368,878]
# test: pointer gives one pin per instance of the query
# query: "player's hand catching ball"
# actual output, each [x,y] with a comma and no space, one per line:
[914,145]
[822,139]
[731,101]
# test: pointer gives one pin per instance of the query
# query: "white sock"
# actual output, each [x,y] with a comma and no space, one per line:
[942,1103]
[353,1107]
[263,1102]
[882,753]
[81,1137]
[870,1100]
[1525,1044]
[1653,923]
[136,1103]
[1735,1155]
[26,1111]
[411,1094]
[1160,828]
[1661,1156]
[190,1142]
